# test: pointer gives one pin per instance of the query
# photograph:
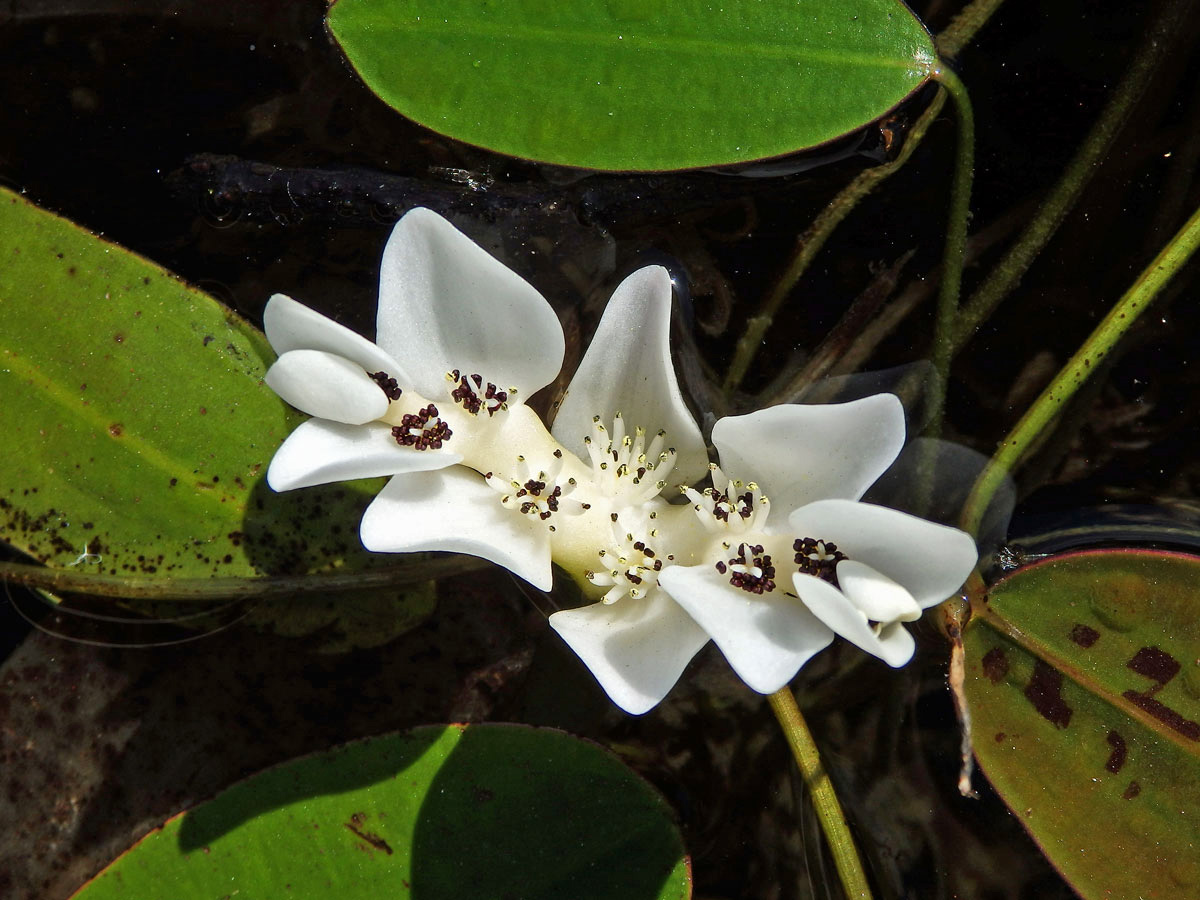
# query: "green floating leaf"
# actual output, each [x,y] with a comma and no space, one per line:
[137,429]
[637,84]
[439,812]
[1083,678]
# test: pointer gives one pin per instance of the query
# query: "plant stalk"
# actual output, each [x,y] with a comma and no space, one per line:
[959,33]
[824,799]
[956,243]
[1079,368]
[1086,162]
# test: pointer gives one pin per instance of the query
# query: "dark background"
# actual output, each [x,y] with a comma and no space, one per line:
[104,107]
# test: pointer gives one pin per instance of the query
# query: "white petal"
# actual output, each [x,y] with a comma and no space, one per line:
[766,638]
[327,386]
[877,597]
[445,303]
[637,649]
[628,369]
[290,325]
[798,454]
[320,451]
[894,645]
[930,561]
[456,510]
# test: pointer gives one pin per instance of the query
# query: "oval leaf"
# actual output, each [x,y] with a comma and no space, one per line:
[438,812]
[1083,678]
[137,426]
[637,84]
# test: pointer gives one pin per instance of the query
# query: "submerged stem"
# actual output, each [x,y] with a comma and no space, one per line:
[965,25]
[813,239]
[959,33]
[1079,368]
[825,801]
[134,587]
[1008,272]
[956,243]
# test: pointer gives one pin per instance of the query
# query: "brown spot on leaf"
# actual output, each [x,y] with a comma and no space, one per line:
[1120,750]
[1164,714]
[355,827]
[116,429]
[1132,791]
[1045,693]
[1155,664]
[1084,635]
[995,664]
[1000,736]
[119,337]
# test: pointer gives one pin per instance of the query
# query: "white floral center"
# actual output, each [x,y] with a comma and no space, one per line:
[537,492]
[729,505]
[422,430]
[475,395]
[818,558]
[631,564]
[387,384]
[749,569]
[623,467]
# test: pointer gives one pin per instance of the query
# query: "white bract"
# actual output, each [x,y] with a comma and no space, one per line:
[770,561]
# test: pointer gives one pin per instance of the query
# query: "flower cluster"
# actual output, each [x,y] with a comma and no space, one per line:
[769,552]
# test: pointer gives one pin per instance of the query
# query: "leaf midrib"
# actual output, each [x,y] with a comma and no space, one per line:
[659,43]
[130,442]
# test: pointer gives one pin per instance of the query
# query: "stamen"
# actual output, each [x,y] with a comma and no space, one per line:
[750,570]
[424,430]
[622,466]
[537,493]
[818,558]
[729,504]
[387,384]
[468,390]
[631,565]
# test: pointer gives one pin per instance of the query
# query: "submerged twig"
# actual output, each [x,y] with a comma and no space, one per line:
[233,587]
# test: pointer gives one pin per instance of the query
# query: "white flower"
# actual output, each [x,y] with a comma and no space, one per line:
[770,561]
[445,306]
[474,470]
[461,341]
[772,590]
[636,641]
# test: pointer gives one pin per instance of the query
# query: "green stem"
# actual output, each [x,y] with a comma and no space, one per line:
[964,27]
[1080,367]
[956,243]
[824,799]
[1062,199]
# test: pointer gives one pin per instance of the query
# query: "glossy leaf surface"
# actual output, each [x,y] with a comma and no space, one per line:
[1083,677]
[637,84]
[136,424]
[438,812]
